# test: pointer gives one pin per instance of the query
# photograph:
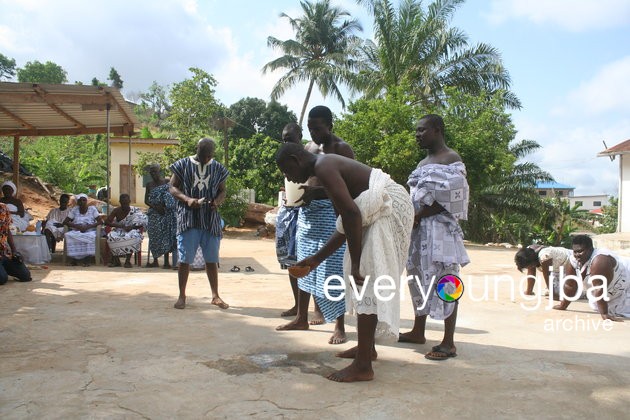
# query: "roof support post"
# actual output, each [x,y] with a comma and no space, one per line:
[16,163]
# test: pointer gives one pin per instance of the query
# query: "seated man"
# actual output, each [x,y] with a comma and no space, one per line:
[20,217]
[53,224]
[11,263]
[375,218]
[81,239]
[600,270]
[126,236]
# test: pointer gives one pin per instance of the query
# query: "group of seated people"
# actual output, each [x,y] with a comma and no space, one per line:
[77,226]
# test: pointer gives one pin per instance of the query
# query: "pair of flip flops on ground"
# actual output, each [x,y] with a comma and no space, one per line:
[438,353]
[236,269]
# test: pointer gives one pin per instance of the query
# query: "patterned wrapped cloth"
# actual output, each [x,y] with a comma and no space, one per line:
[82,244]
[162,228]
[316,223]
[437,244]
[387,219]
[122,242]
[286,230]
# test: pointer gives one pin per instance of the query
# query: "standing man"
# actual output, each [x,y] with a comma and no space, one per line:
[198,183]
[600,270]
[439,192]
[316,223]
[375,218]
[286,222]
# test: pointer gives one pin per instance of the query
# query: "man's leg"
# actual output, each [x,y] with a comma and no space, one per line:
[294,288]
[182,277]
[17,270]
[50,240]
[361,368]
[301,320]
[416,335]
[166,263]
[213,277]
[446,348]
[128,261]
[318,317]
[4,277]
[339,335]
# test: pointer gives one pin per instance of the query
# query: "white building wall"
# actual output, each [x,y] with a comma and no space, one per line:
[624,194]
[589,202]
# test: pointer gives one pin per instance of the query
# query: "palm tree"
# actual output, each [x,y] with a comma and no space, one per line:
[419,48]
[322,51]
[512,194]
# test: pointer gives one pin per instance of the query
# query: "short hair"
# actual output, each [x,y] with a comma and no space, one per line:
[288,149]
[207,142]
[124,195]
[525,257]
[321,111]
[584,240]
[64,195]
[435,121]
[293,126]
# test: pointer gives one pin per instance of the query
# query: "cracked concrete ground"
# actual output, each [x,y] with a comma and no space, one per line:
[107,343]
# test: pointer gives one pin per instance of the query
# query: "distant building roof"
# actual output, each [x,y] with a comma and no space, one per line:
[618,149]
[544,185]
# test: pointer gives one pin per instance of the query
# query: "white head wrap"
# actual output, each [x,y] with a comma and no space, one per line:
[10,184]
[80,196]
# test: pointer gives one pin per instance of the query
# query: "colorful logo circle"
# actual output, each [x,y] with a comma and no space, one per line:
[450,288]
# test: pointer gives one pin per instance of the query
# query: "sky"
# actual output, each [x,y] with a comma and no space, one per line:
[569,60]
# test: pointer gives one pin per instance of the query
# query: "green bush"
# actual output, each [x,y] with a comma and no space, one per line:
[235,205]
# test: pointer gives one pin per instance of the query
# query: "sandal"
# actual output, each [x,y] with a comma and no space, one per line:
[249,269]
[235,269]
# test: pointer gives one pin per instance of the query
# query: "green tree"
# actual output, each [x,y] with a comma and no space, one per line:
[321,52]
[36,72]
[114,77]
[194,107]
[558,220]
[253,115]
[154,105]
[419,47]
[7,67]
[381,133]
[609,217]
[253,163]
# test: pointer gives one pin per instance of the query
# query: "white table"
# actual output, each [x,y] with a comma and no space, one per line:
[34,248]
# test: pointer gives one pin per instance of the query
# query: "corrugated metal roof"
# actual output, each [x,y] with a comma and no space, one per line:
[33,109]
[618,149]
[554,185]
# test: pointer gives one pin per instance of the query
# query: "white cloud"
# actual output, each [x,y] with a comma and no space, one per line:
[572,15]
[607,91]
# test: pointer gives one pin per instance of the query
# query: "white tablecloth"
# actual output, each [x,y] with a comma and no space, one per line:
[33,248]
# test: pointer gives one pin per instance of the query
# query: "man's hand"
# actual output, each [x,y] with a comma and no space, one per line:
[311,193]
[195,203]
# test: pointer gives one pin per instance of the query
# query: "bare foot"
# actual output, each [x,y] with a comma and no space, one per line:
[318,319]
[338,337]
[219,302]
[180,304]
[290,312]
[352,373]
[408,337]
[166,266]
[151,265]
[293,325]
[352,353]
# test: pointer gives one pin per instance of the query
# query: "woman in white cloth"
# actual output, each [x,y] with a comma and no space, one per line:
[547,260]
[19,216]
[126,236]
[81,239]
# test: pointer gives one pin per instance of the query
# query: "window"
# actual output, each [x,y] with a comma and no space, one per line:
[597,203]
[559,193]
[579,203]
[542,193]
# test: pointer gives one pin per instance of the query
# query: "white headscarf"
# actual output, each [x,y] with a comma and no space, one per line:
[79,196]
[10,184]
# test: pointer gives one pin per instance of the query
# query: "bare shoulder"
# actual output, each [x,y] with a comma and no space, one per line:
[344,149]
[602,264]
[312,147]
[449,157]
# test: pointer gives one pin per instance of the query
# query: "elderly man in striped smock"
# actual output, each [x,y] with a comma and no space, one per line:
[198,183]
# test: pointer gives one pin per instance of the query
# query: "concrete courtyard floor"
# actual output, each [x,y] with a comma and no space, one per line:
[106,343]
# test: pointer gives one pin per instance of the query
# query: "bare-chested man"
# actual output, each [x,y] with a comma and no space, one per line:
[316,222]
[376,215]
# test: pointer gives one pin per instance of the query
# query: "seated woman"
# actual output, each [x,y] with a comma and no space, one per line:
[11,263]
[53,224]
[19,216]
[125,238]
[547,259]
[81,239]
